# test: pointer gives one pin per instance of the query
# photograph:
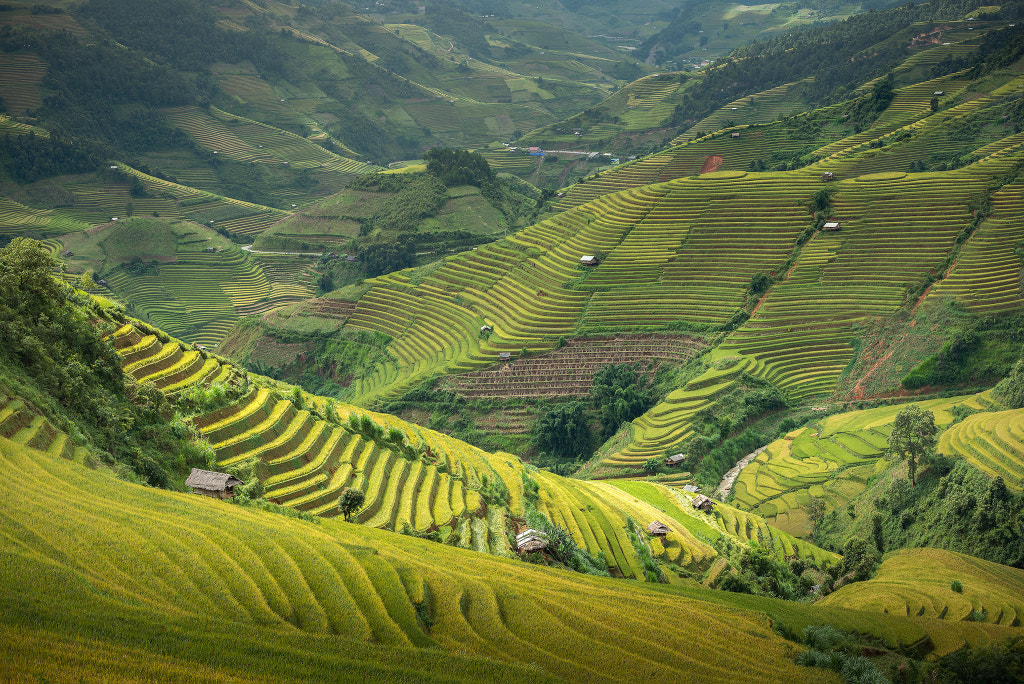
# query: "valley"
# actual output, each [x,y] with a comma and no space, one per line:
[700,320]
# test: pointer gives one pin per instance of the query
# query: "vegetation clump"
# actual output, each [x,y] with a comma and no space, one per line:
[53,353]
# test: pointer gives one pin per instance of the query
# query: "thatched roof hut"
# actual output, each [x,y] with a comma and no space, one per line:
[213,484]
[658,529]
[675,459]
[703,503]
[531,540]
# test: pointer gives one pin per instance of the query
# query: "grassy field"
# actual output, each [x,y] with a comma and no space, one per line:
[116,579]
[917,583]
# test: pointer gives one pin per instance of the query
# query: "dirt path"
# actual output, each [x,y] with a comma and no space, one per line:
[722,493]
[712,163]
[858,389]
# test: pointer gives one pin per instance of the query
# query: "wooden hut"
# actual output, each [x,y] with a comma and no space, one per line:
[735,135]
[531,540]
[504,356]
[208,483]
[692,488]
[831,226]
[675,459]
[827,176]
[588,260]
[658,529]
[703,503]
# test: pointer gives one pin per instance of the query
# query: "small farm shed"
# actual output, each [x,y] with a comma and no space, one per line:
[658,529]
[588,260]
[531,540]
[831,226]
[675,459]
[734,135]
[208,483]
[692,488]
[703,503]
[504,356]
[939,92]
[826,176]
[486,329]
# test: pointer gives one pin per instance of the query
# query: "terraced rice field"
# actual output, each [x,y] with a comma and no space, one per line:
[916,583]
[831,459]
[305,462]
[21,74]
[570,371]
[233,285]
[992,443]
[987,274]
[145,571]
[17,219]
[894,231]
[250,141]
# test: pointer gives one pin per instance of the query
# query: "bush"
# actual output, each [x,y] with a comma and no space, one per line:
[957,586]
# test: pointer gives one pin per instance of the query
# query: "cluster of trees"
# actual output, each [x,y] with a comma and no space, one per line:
[567,432]
[28,158]
[945,504]
[53,355]
[92,87]
[835,54]
[183,34]
[458,167]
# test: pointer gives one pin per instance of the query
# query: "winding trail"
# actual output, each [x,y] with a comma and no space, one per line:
[725,486]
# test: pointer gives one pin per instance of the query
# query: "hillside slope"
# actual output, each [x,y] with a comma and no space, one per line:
[132,571]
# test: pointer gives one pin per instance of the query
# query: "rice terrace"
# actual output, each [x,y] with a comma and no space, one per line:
[460,341]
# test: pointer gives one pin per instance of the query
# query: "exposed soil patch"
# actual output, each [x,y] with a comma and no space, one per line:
[569,372]
[712,163]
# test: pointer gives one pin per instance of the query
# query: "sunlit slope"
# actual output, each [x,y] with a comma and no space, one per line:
[831,459]
[683,250]
[895,230]
[135,568]
[305,455]
[917,583]
[992,442]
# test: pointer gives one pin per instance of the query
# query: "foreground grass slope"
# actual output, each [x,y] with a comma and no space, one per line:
[136,569]
[129,572]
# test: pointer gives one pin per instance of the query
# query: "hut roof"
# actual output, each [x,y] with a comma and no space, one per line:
[205,479]
[675,458]
[658,528]
[691,488]
[701,501]
[831,225]
[735,135]
[588,259]
[504,356]
[531,540]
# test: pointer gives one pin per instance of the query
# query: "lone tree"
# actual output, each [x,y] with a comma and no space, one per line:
[351,501]
[913,436]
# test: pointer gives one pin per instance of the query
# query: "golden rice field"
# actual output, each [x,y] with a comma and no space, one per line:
[132,571]
[992,443]
[108,579]
[305,462]
[917,583]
